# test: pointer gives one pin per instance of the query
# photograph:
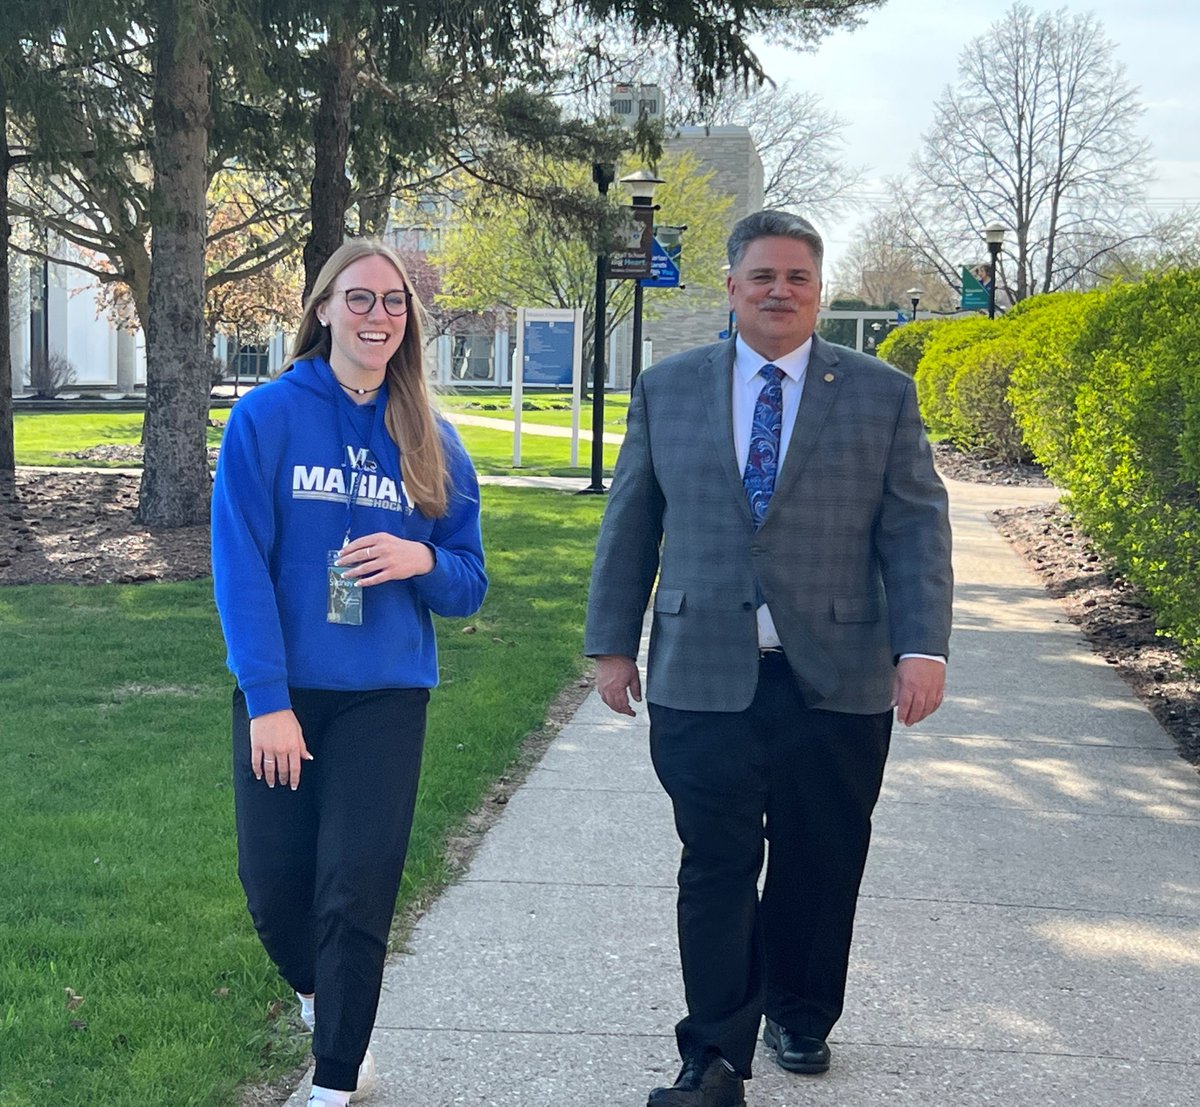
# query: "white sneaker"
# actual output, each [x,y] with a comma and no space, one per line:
[366,1079]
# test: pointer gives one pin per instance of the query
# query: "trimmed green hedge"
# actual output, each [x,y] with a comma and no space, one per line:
[1046,377]
[1134,469]
[905,346]
[952,349]
[1102,388]
[982,413]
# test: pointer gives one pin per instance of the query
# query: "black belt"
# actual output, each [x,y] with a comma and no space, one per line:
[775,663]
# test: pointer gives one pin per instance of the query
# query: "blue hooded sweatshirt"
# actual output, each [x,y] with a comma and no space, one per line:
[292,449]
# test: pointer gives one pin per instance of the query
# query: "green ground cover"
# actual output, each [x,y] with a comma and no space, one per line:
[45,438]
[49,438]
[492,452]
[549,411]
[118,879]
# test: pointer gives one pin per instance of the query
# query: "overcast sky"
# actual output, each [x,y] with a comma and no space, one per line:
[884,77]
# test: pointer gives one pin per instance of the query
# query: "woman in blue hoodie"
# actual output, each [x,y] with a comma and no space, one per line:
[345,512]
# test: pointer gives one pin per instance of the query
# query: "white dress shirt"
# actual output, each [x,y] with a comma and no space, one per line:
[747,384]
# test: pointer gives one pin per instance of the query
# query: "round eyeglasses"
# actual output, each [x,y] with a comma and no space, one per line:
[362,300]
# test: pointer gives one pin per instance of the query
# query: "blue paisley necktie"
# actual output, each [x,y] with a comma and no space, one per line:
[763,461]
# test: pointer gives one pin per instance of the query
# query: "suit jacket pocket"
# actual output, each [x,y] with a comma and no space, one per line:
[856,609]
[668,601]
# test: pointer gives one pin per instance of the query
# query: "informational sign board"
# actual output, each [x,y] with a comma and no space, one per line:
[633,260]
[549,354]
[547,348]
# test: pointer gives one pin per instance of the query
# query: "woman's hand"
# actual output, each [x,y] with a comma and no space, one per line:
[277,748]
[382,556]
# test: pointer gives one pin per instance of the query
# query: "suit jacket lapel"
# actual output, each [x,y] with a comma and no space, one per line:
[821,382]
[716,388]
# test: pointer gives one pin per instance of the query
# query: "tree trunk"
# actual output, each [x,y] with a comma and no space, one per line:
[331,144]
[7,452]
[175,482]
[373,210]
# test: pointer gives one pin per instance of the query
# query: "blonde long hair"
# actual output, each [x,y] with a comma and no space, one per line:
[410,417]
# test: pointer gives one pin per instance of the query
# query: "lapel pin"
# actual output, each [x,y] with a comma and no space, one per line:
[828,378]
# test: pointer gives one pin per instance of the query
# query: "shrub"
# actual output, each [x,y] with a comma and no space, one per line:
[48,375]
[1134,474]
[978,393]
[943,357]
[1046,378]
[905,345]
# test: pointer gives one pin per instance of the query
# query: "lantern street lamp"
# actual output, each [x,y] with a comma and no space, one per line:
[914,297]
[641,186]
[994,233]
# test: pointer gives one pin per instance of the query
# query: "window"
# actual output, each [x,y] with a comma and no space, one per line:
[471,358]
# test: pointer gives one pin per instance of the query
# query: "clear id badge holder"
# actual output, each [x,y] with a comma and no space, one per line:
[345,602]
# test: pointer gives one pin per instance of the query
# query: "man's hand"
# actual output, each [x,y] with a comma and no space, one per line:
[917,688]
[617,679]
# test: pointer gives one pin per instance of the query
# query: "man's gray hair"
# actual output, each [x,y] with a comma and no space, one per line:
[773,224]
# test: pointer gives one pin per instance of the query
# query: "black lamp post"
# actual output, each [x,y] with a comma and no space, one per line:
[994,233]
[914,297]
[641,187]
[602,174]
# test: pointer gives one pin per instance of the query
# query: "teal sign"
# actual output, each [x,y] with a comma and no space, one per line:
[974,294]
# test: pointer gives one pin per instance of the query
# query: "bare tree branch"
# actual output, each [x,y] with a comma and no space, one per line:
[1040,133]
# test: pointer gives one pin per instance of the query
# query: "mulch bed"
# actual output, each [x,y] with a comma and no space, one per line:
[79,527]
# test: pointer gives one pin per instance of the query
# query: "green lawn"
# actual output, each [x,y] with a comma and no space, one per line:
[492,452]
[118,879]
[48,439]
[550,411]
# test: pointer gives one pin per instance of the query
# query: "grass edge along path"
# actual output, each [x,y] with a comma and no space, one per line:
[51,438]
[129,970]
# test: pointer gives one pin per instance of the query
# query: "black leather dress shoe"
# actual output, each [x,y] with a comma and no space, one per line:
[795,1052]
[703,1082]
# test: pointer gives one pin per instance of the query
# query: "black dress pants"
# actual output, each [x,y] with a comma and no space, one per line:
[321,866]
[805,780]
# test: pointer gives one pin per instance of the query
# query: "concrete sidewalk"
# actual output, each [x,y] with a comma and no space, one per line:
[1029,931]
[544,430]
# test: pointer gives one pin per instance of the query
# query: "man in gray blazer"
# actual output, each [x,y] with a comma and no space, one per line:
[782,491]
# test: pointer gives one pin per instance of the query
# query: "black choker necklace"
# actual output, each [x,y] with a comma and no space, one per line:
[358,391]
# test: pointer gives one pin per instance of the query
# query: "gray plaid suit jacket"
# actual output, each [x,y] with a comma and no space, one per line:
[853,556]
